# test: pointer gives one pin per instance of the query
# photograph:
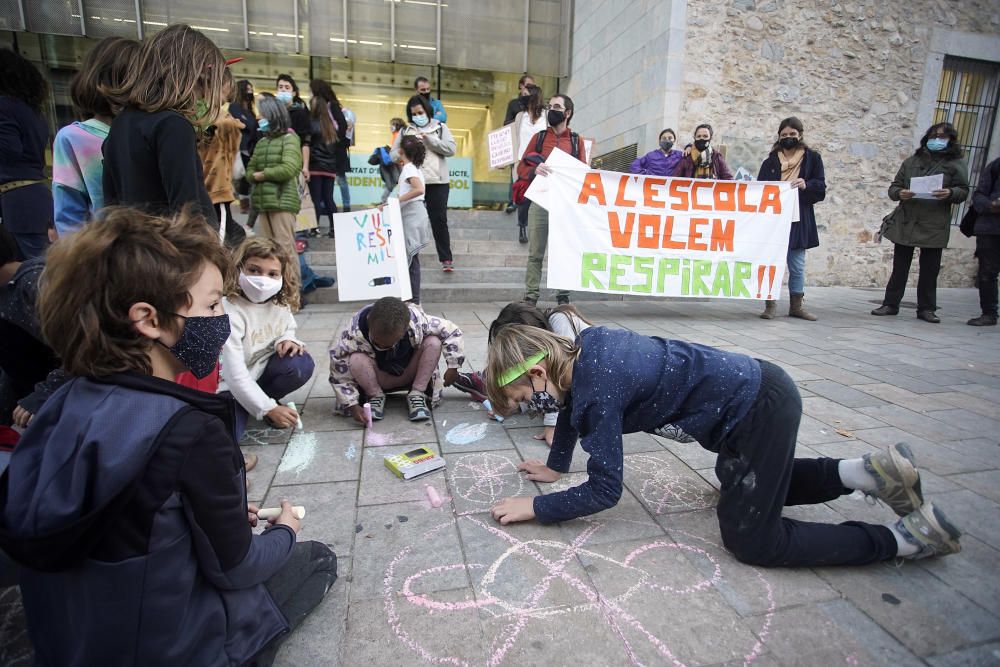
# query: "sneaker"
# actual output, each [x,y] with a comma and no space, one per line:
[984,320]
[472,384]
[898,480]
[324,281]
[417,402]
[929,529]
[562,300]
[377,404]
[886,310]
[447,267]
[671,432]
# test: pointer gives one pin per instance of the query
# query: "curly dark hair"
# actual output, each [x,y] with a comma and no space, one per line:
[413,149]
[954,150]
[20,79]
[388,316]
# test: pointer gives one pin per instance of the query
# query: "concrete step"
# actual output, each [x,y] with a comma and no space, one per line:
[432,275]
[439,293]
[466,220]
[428,259]
[458,246]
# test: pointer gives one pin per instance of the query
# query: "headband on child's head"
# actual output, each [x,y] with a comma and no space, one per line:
[520,369]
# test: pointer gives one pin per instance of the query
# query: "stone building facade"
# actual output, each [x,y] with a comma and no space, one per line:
[863,75]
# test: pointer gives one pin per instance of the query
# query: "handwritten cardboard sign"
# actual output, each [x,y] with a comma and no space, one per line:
[628,234]
[501,147]
[371,254]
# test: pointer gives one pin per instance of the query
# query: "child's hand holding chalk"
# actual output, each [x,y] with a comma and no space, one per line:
[489,409]
[270,513]
[298,419]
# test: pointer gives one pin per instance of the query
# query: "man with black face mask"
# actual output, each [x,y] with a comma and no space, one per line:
[558,135]
[423,87]
[519,103]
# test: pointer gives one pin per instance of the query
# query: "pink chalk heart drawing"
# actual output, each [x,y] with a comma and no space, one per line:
[546,563]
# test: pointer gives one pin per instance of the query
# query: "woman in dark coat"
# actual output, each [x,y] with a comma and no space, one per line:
[703,161]
[791,160]
[921,222]
[329,143]
[25,195]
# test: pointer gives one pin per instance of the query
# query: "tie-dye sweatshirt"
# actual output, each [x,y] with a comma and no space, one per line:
[77,170]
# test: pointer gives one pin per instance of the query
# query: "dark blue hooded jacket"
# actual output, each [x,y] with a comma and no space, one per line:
[126,502]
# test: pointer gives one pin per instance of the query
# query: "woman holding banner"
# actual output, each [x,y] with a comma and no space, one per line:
[794,162]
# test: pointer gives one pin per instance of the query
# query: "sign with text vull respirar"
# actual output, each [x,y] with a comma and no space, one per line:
[628,234]
[500,143]
[371,254]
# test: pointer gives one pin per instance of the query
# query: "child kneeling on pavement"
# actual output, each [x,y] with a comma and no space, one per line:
[391,346]
[125,500]
[263,360]
[610,382]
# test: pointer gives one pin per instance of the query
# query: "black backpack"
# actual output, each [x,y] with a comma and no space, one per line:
[574,140]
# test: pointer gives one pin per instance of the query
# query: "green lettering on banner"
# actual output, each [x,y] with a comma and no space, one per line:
[702,268]
[668,266]
[686,277]
[741,276]
[644,267]
[592,261]
[722,286]
[617,272]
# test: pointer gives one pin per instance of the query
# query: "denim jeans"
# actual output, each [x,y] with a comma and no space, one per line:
[345,192]
[796,270]
[281,376]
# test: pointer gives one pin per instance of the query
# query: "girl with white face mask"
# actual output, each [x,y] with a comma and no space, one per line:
[263,360]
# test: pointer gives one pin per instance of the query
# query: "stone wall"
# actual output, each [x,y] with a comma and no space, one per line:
[861,74]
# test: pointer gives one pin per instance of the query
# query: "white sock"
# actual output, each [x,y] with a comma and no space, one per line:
[854,476]
[904,547]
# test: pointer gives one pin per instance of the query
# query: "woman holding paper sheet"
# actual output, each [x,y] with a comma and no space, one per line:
[923,219]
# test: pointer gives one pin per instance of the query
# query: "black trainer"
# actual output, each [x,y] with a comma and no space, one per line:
[886,310]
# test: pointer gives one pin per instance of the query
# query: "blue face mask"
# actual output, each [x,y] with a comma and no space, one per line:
[200,343]
[263,125]
[284,97]
[936,144]
[421,121]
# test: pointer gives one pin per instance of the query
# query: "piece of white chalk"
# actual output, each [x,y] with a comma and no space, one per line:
[274,512]
[367,407]
[432,495]
[298,422]
[489,408]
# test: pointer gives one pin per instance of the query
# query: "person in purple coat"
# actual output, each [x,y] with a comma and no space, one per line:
[662,161]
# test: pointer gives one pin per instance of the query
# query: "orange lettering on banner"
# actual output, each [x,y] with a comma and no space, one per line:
[620,238]
[650,193]
[620,199]
[668,231]
[694,196]
[694,234]
[678,191]
[728,202]
[744,206]
[649,226]
[592,187]
[771,199]
[723,232]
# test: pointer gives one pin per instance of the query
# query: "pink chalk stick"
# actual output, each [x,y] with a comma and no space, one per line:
[433,496]
[367,407]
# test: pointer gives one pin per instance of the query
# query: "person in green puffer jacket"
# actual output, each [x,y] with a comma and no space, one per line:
[274,170]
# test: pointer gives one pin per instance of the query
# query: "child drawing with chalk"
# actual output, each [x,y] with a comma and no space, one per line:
[611,382]
[416,224]
[392,346]
[125,500]
[262,360]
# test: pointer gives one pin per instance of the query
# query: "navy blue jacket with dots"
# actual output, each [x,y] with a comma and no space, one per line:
[624,382]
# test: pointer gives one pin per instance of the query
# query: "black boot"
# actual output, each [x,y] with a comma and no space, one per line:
[886,310]
[984,320]
[522,233]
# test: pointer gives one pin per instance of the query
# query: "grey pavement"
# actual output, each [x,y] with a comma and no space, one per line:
[647,582]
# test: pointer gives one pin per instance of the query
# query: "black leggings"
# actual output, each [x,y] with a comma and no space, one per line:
[321,190]
[436,199]
[930,266]
[760,476]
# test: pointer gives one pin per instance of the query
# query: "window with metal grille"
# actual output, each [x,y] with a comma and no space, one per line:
[616,160]
[967,98]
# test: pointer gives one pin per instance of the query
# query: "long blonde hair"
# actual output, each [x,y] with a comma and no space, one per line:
[514,343]
[176,67]
[263,247]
